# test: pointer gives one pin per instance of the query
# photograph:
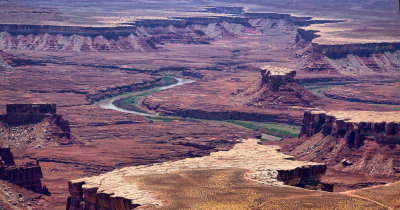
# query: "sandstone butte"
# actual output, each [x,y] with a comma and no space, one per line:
[277,86]
[265,165]
[366,142]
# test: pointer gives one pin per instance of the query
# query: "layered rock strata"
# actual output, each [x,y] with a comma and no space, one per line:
[351,58]
[146,34]
[354,126]
[27,176]
[356,141]
[116,190]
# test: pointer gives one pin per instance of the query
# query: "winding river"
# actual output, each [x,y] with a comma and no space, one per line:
[108,103]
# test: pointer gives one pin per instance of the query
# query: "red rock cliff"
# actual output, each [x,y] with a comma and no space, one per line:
[27,176]
[355,132]
[355,141]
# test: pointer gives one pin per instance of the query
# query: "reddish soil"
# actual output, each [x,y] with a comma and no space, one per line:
[42,71]
[377,93]
[104,139]
[216,99]
[209,99]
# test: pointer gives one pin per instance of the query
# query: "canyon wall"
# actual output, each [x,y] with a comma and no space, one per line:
[354,58]
[355,133]
[363,142]
[143,35]
[27,176]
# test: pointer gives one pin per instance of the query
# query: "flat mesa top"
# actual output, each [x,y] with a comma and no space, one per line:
[363,116]
[263,163]
[276,70]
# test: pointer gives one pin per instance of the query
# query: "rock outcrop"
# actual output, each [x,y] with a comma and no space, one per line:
[357,141]
[118,190]
[354,127]
[277,86]
[27,176]
[24,124]
[347,58]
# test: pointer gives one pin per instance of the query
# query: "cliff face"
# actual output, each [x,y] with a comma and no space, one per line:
[357,58]
[356,141]
[145,35]
[142,35]
[27,176]
[361,50]
[355,133]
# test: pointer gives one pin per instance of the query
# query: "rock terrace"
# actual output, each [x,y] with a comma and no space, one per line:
[265,165]
[363,116]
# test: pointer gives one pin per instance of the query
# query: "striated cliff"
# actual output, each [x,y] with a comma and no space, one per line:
[353,58]
[142,36]
[27,176]
[354,127]
[357,141]
[147,34]
[119,190]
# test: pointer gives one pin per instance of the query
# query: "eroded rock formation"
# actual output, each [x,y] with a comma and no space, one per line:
[27,176]
[355,127]
[276,87]
[357,141]
[346,58]
[118,190]
[37,124]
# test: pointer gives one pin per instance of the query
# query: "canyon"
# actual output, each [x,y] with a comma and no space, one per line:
[313,58]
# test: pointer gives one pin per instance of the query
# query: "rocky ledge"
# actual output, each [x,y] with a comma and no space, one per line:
[265,165]
[365,142]
[354,126]
[27,176]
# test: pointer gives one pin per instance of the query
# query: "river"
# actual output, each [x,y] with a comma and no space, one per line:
[108,103]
